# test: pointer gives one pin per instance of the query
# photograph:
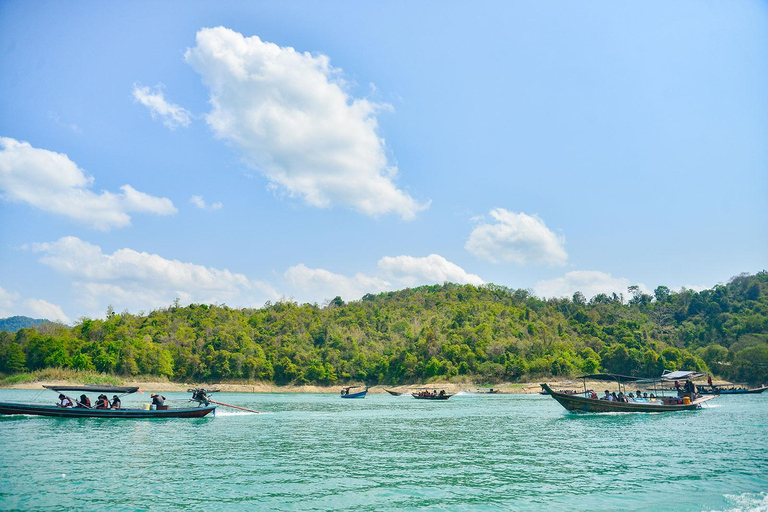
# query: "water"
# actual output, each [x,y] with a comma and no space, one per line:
[313,452]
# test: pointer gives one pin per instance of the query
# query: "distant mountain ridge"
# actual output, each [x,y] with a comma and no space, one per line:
[14,323]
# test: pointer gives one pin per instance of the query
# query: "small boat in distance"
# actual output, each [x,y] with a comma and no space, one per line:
[482,391]
[345,392]
[394,393]
[431,395]
[77,409]
[720,390]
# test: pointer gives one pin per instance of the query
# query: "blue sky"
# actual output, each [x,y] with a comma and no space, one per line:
[251,151]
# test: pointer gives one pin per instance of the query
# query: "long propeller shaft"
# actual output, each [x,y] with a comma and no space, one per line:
[233,406]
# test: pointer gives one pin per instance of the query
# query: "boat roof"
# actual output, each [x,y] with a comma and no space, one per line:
[680,375]
[95,389]
[614,377]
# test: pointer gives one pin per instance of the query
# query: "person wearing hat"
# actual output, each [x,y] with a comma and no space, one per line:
[64,401]
[116,402]
[157,400]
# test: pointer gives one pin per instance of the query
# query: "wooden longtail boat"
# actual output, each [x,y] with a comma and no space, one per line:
[715,390]
[431,396]
[202,408]
[394,393]
[583,404]
[346,394]
[482,391]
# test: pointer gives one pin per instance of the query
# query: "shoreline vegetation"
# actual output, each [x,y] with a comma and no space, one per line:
[451,334]
[50,377]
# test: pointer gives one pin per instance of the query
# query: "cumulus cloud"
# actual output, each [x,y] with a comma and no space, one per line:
[409,271]
[52,182]
[133,280]
[291,116]
[317,284]
[517,238]
[170,114]
[200,203]
[588,282]
[313,284]
[12,304]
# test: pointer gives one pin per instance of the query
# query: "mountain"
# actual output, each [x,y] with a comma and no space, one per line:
[14,323]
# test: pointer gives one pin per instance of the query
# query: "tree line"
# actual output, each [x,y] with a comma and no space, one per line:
[486,333]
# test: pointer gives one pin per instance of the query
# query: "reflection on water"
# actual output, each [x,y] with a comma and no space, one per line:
[318,452]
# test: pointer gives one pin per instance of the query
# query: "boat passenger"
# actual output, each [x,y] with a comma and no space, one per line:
[64,401]
[102,402]
[620,397]
[160,399]
[645,396]
[116,402]
[615,398]
[84,402]
[593,395]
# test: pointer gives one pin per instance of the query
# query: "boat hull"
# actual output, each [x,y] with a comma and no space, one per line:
[393,393]
[582,404]
[72,412]
[437,397]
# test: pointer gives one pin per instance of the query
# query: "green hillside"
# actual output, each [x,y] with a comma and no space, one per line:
[488,333]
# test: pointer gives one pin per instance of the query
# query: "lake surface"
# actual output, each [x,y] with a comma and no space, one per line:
[313,452]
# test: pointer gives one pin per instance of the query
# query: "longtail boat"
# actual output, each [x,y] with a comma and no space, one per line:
[394,393]
[83,410]
[345,392]
[717,390]
[428,395]
[657,404]
[482,391]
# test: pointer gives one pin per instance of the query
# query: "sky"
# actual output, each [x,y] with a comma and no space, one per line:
[243,152]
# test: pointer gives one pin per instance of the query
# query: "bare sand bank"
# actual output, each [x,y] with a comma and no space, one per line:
[449,387]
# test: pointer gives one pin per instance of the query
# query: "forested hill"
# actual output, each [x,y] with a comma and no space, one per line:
[488,333]
[14,323]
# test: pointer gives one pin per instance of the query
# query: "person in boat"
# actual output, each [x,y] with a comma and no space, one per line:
[607,396]
[158,400]
[64,401]
[442,392]
[84,402]
[102,402]
[116,403]
[593,395]
[709,380]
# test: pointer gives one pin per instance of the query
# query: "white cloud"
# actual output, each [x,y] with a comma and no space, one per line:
[12,304]
[200,203]
[393,273]
[316,284]
[409,271]
[52,182]
[171,114]
[133,280]
[291,116]
[517,238]
[588,282]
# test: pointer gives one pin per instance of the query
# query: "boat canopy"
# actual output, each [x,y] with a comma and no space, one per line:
[614,377]
[95,389]
[681,375]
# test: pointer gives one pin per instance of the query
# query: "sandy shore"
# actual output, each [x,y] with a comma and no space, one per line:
[449,387]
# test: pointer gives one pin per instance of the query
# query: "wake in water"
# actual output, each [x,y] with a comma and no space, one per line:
[227,414]
[747,502]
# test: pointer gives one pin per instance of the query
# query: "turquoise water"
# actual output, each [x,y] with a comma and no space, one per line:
[318,452]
